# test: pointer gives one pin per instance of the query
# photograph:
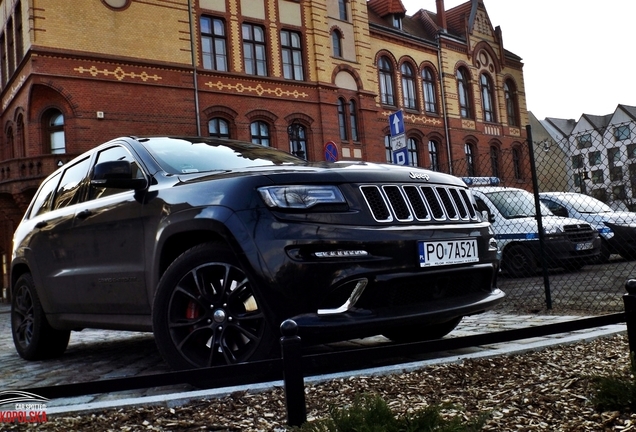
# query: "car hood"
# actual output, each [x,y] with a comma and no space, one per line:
[325,172]
[618,218]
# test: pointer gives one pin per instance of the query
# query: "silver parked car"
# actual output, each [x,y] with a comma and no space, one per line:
[616,228]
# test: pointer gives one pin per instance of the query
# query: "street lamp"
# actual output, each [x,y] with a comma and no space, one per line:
[296,139]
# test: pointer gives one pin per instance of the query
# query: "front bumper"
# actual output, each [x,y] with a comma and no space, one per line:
[560,251]
[362,322]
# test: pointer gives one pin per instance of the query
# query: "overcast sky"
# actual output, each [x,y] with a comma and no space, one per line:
[578,55]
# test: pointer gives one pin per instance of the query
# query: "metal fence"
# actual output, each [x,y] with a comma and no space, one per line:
[575,257]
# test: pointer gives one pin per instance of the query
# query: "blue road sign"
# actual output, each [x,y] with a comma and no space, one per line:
[331,152]
[401,157]
[396,123]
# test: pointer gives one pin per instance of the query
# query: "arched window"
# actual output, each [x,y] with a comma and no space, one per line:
[433,154]
[387,148]
[430,93]
[463,93]
[342,120]
[516,162]
[487,98]
[259,131]
[336,41]
[10,144]
[411,145]
[297,140]
[218,127]
[494,161]
[510,94]
[470,159]
[21,137]
[387,96]
[408,86]
[353,120]
[54,131]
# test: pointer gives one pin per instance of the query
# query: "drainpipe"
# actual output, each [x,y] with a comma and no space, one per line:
[194,70]
[444,109]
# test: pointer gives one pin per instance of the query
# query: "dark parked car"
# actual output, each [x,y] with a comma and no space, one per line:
[211,244]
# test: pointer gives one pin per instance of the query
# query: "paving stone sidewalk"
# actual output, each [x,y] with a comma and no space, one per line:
[100,355]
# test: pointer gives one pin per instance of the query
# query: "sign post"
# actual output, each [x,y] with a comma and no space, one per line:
[398,139]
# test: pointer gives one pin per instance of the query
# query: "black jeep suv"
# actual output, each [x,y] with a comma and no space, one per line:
[211,244]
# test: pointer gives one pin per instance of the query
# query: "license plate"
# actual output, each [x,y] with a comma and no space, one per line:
[584,246]
[448,252]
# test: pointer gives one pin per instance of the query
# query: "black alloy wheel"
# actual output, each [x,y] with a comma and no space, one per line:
[206,313]
[33,336]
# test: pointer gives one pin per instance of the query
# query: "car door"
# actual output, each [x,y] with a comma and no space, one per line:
[51,248]
[108,238]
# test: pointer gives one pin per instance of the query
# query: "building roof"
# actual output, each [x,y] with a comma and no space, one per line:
[598,122]
[630,110]
[564,126]
[386,7]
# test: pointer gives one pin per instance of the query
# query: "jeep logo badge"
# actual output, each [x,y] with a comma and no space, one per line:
[422,176]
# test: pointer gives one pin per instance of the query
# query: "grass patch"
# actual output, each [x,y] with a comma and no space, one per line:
[615,392]
[370,413]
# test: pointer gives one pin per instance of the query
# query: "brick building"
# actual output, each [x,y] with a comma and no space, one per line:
[290,74]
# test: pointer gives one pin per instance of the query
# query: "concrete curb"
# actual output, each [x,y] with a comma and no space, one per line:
[75,405]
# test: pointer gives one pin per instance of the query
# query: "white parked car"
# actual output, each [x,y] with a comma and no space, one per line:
[617,228]
[568,243]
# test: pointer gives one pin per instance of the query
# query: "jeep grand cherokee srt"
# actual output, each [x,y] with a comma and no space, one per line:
[211,244]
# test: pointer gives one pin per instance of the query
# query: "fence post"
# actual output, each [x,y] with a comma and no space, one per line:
[629,300]
[293,374]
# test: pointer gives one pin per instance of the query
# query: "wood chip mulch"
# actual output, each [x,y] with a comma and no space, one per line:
[547,390]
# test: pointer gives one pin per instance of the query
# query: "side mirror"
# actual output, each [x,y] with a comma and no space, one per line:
[487,216]
[117,174]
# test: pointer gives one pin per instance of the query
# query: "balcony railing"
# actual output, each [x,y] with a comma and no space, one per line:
[14,171]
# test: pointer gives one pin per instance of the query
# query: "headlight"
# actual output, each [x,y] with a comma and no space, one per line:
[300,197]
[555,229]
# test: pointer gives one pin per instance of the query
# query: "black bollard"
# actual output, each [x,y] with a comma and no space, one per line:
[293,374]
[629,300]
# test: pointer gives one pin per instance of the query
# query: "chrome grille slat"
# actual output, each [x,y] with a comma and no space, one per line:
[406,203]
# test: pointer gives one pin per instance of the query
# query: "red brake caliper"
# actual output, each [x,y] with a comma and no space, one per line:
[192,311]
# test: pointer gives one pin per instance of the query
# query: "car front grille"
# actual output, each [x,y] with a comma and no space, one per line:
[408,203]
[579,233]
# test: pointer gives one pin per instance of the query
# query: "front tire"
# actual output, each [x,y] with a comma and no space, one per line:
[518,261]
[422,333]
[33,336]
[206,312]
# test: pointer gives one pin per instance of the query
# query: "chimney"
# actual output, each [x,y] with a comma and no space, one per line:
[441,14]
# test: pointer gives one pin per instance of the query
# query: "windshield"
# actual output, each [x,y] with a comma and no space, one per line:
[586,204]
[181,156]
[516,204]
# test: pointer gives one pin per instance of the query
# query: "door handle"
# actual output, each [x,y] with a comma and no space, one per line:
[83,214]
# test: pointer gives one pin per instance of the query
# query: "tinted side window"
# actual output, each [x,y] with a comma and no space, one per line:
[44,198]
[70,190]
[117,153]
[556,208]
